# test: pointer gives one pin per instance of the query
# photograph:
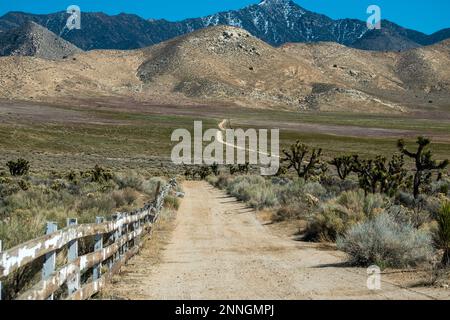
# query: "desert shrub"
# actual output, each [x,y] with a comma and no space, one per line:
[406,199]
[262,197]
[171,202]
[71,176]
[212,180]
[254,190]
[19,167]
[337,215]
[150,186]
[118,198]
[439,187]
[357,201]
[58,185]
[20,228]
[223,181]
[99,174]
[129,180]
[13,231]
[288,212]
[386,243]
[129,195]
[443,234]
[23,184]
[404,215]
[124,197]
[315,189]
[101,205]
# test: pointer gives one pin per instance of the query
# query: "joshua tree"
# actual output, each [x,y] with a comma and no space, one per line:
[396,175]
[188,172]
[203,172]
[344,166]
[215,169]
[19,167]
[233,169]
[370,172]
[244,168]
[423,161]
[295,157]
[375,175]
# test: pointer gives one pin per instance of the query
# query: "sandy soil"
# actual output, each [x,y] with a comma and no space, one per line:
[220,250]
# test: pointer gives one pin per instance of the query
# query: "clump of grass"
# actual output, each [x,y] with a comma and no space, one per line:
[171,202]
[386,243]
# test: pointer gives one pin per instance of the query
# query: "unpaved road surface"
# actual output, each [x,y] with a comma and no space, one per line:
[219,250]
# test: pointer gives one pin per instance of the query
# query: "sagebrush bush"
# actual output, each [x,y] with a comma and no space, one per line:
[386,243]
[415,217]
[337,215]
[149,186]
[129,180]
[255,190]
[118,198]
[130,196]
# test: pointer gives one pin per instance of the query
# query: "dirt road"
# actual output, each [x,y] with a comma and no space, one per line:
[219,250]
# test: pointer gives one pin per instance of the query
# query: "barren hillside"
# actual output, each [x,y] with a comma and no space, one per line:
[32,39]
[226,65]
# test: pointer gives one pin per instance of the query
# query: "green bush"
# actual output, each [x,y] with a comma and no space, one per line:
[386,243]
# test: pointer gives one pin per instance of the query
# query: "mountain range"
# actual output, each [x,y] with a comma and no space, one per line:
[274,21]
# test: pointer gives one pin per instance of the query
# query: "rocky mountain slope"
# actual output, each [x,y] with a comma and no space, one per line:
[228,66]
[31,39]
[273,21]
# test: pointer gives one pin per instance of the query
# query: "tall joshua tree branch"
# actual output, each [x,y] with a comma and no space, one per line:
[423,162]
[295,157]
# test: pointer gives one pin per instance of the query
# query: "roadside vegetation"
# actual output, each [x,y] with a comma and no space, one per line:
[390,211]
[29,200]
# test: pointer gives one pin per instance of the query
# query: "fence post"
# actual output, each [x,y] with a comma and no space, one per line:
[50,258]
[73,283]
[1,288]
[127,228]
[117,235]
[98,245]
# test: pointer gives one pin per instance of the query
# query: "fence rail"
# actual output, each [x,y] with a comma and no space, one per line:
[114,242]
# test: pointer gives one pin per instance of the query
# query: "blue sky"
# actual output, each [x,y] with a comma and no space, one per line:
[426,16]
